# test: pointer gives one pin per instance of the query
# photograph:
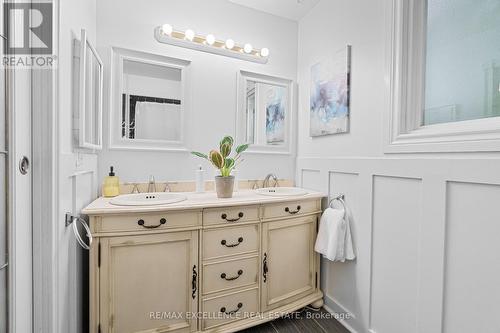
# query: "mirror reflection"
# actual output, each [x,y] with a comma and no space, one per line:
[265,113]
[93,86]
[151,101]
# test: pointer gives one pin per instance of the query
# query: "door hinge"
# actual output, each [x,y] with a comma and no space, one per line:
[317,225]
[99,254]
[316,280]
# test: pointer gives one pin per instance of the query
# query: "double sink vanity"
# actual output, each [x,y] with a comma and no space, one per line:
[188,262]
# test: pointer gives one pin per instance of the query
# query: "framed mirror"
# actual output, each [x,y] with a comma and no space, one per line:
[265,113]
[150,101]
[90,88]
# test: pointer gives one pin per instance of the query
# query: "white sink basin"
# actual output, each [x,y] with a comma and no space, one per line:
[281,191]
[147,199]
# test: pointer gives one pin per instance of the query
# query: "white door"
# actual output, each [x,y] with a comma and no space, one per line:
[3,198]
[17,132]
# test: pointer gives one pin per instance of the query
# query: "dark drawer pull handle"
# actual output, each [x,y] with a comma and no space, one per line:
[224,242]
[223,309]
[224,217]
[141,223]
[292,211]
[194,283]
[224,276]
[264,268]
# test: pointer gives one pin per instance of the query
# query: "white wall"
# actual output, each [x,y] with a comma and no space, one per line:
[213,80]
[422,223]
[77,171]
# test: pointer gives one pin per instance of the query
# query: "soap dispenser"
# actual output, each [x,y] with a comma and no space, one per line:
[200,181]
[111,186]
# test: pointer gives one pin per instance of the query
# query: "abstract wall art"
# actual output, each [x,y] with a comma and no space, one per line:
[329,100]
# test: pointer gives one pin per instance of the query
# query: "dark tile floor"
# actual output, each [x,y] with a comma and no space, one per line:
[302,321]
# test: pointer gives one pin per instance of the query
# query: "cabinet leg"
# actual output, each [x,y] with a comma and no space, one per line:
[318,304]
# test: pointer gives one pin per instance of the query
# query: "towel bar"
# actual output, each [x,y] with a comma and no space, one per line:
[339,198]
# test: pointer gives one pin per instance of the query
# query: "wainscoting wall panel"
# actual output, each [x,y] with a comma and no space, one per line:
[395,241]
[339,286]
[472,263]
[425,233]
[312,178]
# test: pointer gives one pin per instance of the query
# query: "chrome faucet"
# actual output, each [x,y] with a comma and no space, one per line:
[135,188]
[268,177]
[151,184]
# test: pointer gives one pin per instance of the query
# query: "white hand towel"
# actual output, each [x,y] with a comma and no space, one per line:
[334,236]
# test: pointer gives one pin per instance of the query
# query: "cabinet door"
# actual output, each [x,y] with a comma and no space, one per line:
[288,261]
[146,283]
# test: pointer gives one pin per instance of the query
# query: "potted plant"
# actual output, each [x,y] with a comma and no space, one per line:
[224,182]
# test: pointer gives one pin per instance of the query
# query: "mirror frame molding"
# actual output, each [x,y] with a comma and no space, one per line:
[116,142]
[242,78]
[82,117]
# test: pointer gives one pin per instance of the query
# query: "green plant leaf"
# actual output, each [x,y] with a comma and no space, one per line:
[225,149]
[229,163]
[227,139]
[195,153]
[242,148]
[216,158]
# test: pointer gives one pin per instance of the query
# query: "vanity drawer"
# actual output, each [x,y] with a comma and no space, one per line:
[228,274]
[234,306]
[230,215]
[290,208]
[229,241]
[144,222]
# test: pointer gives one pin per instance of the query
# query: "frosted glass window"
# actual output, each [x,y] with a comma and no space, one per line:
[462,75]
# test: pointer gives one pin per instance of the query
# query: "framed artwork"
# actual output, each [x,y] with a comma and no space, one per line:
[275,114]
[329,100]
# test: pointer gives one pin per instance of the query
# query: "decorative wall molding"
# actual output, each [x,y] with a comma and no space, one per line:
[349,285]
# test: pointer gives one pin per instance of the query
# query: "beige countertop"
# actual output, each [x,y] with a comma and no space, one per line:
[101,206]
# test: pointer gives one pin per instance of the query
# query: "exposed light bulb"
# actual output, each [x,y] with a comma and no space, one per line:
[210,39]
[247,48]
[264,52]
[229,44]
[189,34]
[167,29]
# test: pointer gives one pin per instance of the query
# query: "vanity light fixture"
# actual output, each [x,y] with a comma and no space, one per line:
[210,39]
[167,29]
[189,39]
[247,48]
[229,44]
[189,34]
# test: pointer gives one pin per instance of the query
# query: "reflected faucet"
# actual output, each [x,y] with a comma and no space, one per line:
[151,184]
[268,177]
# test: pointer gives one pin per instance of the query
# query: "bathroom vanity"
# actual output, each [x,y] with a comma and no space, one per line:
[202,264]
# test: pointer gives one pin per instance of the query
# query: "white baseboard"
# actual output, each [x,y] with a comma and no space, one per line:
[334,307]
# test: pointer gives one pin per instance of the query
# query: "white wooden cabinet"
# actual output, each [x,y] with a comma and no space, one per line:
[214,269]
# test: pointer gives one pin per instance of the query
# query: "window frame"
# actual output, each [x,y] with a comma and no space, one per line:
[405,72]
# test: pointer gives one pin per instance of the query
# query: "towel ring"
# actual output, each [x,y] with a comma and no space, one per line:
[70,219]
[339,198]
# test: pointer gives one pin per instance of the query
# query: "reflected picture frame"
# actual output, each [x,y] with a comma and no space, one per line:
[282,144]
